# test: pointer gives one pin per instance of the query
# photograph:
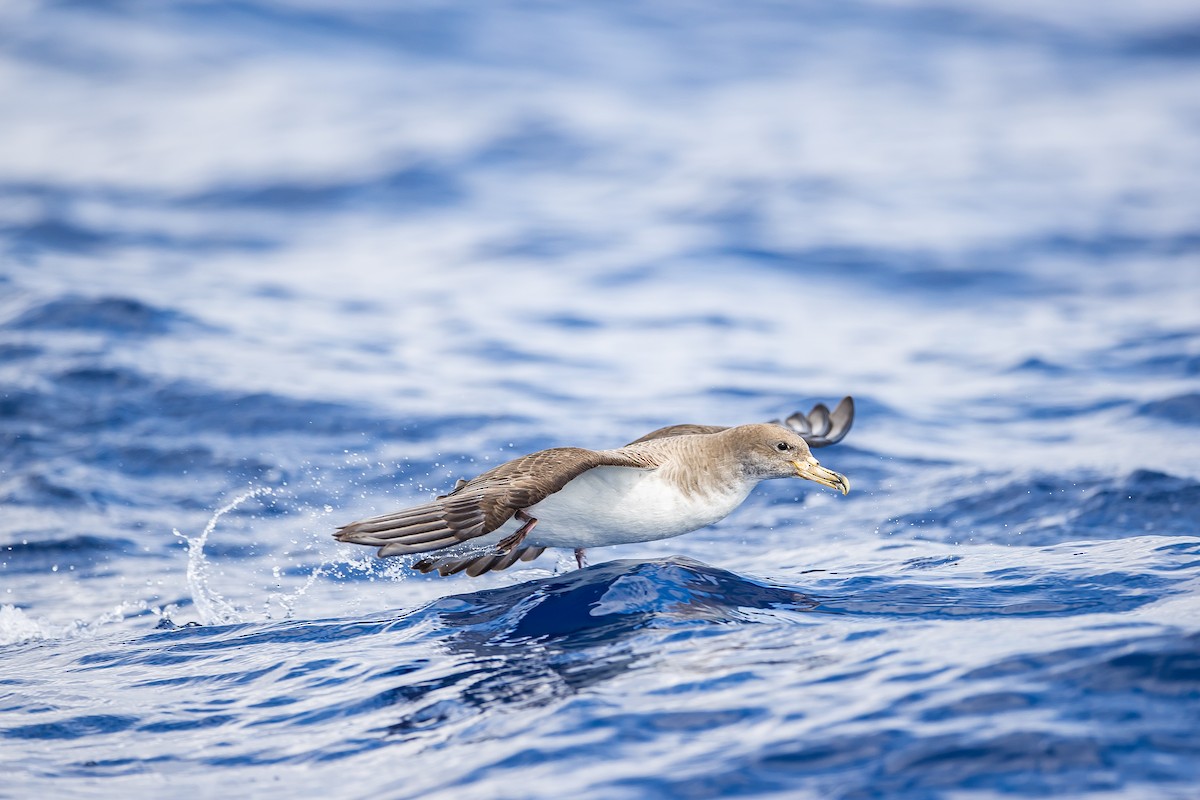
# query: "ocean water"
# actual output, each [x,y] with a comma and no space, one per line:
[270,266]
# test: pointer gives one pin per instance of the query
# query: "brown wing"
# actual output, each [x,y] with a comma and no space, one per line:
[678,430]
[820,427]
[480,506]
[479,564]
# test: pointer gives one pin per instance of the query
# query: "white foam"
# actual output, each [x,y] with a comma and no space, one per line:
[16,626]
[210,605]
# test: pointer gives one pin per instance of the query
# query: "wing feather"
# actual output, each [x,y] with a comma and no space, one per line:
[477,565]
[678,430]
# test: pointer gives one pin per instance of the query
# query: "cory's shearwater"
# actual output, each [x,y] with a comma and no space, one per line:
[670,481]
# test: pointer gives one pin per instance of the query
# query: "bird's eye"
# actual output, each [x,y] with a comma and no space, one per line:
[783,447]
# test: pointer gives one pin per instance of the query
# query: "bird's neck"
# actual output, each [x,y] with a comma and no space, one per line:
[706,465]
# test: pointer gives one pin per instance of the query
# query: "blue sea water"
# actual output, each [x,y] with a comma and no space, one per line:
[270,266]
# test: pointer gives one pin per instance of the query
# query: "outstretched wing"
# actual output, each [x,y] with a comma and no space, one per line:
[480,506]
[819,427]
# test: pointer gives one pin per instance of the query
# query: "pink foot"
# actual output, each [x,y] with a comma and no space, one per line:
[506,544]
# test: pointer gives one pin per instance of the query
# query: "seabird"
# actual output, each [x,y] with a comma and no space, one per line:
[670,481]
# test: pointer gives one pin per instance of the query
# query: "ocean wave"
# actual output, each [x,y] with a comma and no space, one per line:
[1049,509]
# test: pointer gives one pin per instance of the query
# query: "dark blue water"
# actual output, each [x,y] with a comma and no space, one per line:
[270,267]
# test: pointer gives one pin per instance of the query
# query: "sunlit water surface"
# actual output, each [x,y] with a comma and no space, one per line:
[269,267]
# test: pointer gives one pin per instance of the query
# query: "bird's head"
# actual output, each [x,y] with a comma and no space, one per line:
[773,451]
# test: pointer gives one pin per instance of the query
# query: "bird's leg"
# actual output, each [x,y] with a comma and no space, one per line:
[580,561]
[507,544]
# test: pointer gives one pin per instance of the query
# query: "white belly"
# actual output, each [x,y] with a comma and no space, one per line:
[617,505]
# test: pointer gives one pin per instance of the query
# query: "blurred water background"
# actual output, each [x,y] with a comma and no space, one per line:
[269,266]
